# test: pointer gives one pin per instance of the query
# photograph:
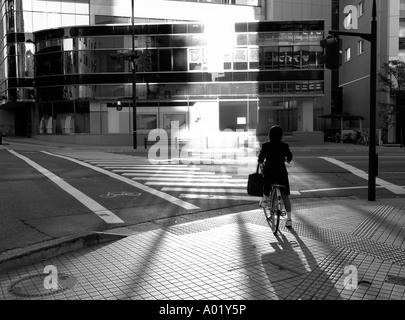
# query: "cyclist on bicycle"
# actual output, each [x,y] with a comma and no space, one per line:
[274,153]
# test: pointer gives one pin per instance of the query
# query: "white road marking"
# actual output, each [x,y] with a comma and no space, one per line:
[343,188]
[391,172]
[94,206]
[150,169]
[206,190]
[165,196]
[138,166]
[210,190]
[296,193]
[183,179]
[362,174]
[198,161]
[179,175]
[335,189]
[196,184]
[156,171]
[219,197]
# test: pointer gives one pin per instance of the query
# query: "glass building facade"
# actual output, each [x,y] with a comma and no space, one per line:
[244,75]
[402,31]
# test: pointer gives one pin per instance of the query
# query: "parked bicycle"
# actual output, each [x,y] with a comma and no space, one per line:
[6,132]
[363,139]
[357,138]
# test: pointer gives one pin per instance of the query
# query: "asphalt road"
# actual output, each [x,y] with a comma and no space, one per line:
[51,194]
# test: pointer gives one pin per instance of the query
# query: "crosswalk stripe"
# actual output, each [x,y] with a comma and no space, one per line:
[198,161]
[219,197]
[362,174]
[195,184]
[181,178]
[135,177]
[210,190]
[94,206]
[134,164]
[223,197]
[217,190]
[167,197]
[153,169]
[182,175]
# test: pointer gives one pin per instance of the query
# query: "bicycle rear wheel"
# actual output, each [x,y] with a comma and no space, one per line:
[274,212]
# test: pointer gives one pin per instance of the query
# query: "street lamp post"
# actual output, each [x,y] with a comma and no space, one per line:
[134,133]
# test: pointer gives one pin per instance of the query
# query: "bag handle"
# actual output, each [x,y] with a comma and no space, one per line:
[258,166]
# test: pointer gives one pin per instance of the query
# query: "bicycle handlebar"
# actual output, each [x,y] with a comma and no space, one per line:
[285,161]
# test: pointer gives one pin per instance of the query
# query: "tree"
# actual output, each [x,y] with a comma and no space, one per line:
[392,80]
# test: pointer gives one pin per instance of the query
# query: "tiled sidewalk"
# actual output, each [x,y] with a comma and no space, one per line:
[348,249]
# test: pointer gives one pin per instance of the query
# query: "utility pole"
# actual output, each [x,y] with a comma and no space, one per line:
[133,64]
[372,38]
[131,57]
[373,157]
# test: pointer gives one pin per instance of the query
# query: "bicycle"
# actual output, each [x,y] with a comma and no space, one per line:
[276,208]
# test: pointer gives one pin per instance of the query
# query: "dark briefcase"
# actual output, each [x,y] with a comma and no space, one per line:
[255,183]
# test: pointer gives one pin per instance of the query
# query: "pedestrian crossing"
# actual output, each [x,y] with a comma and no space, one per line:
[189,181]
[192,182]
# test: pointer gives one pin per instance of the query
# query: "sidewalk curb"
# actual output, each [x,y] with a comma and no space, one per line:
[45,250]
[21,257]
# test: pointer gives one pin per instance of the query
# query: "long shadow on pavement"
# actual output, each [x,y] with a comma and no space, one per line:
[289,269]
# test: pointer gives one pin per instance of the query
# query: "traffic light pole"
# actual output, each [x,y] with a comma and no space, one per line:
[134,133]
[373,157]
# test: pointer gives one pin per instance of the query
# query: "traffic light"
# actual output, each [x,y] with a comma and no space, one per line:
[332,57]
[119,105]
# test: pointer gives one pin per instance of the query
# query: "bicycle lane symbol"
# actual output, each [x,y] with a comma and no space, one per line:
[120,194]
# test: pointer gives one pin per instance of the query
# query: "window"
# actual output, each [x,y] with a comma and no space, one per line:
[360,47]
[180,59]
[361,8]
[194,59]
[402,9]
[348,20]
[165,60]
[348,54]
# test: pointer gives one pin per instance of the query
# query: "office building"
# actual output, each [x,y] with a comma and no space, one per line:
[210,65]
[355,72]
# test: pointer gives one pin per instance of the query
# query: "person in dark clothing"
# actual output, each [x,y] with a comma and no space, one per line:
[274,153]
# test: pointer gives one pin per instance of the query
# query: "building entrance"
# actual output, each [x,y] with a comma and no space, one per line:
[273,113]
[22,118]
